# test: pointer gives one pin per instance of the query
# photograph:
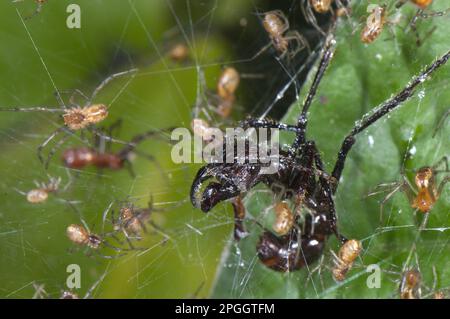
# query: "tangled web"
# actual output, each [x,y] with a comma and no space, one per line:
[189,253]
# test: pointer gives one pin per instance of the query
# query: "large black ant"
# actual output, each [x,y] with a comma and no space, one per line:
[300,170]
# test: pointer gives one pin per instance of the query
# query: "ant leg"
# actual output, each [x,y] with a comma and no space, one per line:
[44,144]
[89,292]
[266,123]
[302,121]
[72,93]
[106,81]
[442,184]
[441,122]
[382,110]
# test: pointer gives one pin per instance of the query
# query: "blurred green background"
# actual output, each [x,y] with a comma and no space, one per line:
[117,35]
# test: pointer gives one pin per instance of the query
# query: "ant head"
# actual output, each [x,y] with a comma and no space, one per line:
[423,177]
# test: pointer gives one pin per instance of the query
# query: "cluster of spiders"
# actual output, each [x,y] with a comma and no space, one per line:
[304,209]
[96,152]
[304,191]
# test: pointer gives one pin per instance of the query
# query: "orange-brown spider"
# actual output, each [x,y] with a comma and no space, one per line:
[410,285]
[426,191]
[76,117]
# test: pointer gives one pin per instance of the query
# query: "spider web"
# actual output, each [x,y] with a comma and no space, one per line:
[200,258]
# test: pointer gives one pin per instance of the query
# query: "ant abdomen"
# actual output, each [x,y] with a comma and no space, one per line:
[108,160]
[284,254]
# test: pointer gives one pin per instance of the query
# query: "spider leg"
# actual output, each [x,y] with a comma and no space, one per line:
[92,288]
[266,123]
[300,41]
[443,160]
[441,122]
[106,81]
[56,147]
[310,17]
[382,110]
[442,184]
[400,3]
[73,93]
[44,144]
[152,159]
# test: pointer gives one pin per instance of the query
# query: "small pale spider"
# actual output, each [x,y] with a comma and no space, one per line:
[374,24]
[76,117]
[83,237]
[410,284]
[132,221]
[277,27]
[40,193]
